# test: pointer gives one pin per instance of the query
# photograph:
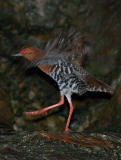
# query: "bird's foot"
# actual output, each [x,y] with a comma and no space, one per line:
[67,130]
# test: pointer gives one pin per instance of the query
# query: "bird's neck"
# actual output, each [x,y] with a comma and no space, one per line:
[45,68]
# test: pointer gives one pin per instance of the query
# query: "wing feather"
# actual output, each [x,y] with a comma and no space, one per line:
[66,46]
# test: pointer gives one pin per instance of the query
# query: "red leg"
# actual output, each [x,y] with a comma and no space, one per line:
[45,109]
[69,117]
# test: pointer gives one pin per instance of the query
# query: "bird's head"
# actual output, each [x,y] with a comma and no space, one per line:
[31,53]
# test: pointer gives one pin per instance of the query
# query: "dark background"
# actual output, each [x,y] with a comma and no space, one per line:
[28,22]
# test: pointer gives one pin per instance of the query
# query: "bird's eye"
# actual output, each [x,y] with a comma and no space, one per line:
[24,51]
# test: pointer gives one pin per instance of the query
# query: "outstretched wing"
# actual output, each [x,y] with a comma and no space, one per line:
[92,84]
[67,46]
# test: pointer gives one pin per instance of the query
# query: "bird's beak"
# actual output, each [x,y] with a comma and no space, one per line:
[16,55]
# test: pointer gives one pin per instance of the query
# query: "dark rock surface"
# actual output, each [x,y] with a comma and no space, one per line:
[59,146]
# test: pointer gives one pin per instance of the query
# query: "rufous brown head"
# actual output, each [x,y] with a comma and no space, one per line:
[31,53]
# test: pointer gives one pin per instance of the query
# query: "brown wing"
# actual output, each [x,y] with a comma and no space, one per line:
[97,85]
[68,46]
[91,83]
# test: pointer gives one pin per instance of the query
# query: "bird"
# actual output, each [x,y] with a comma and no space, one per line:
[62,60]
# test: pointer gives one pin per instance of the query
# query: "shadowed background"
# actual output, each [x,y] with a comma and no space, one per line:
[33,23]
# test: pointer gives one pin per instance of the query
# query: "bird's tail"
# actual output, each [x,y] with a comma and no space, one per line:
[97,86]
